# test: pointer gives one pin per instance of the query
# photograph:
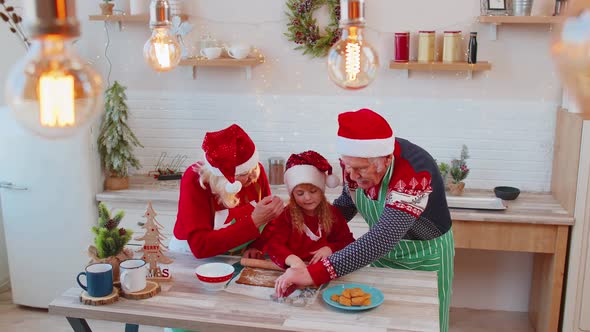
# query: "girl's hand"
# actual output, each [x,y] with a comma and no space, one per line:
[320,254]
[294,261]
[253,253]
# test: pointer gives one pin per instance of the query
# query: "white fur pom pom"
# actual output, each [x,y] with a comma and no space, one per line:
[233,188]
[332,181]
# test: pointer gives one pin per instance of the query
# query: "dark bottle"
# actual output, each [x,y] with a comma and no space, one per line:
[472,50]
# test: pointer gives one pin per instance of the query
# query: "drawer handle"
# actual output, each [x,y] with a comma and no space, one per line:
[11,186]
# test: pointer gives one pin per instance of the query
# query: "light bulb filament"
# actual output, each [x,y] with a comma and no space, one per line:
[162,54]
[56,99]
[353,60]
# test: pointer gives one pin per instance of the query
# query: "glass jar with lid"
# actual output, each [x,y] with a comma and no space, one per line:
[426,46]
[451,46]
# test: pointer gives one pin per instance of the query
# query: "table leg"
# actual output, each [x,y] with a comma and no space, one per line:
[547,285]
[131,328]
[79,324]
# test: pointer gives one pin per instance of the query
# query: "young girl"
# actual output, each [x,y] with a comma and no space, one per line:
[310,228]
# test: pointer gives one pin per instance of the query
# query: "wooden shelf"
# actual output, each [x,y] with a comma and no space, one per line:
[494,21]
[120,19]
[521,19]
[247,63]
[126,18]
[441,66]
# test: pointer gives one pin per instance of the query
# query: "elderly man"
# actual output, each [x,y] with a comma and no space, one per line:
[397,188]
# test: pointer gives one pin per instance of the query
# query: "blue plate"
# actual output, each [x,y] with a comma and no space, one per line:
[376,296]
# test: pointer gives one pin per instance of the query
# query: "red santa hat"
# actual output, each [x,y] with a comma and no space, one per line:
[309,167]
[364,134]
[230,152]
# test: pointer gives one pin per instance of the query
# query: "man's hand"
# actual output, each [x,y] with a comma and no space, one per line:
[253,253]
[266,210]
[320,254]
[294,277]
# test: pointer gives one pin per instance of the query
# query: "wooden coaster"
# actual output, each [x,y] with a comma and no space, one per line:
[112,298]
[168,278]
[151,289]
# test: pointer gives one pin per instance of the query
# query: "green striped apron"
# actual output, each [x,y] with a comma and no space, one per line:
[431,255]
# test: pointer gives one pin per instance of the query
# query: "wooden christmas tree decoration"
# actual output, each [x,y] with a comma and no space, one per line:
[153,247]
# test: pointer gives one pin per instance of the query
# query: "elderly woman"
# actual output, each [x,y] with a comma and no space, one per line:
[225,200]
[397,188]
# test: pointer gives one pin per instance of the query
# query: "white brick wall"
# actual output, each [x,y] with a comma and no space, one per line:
[510,141]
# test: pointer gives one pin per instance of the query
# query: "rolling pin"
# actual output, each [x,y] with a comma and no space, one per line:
[260,263]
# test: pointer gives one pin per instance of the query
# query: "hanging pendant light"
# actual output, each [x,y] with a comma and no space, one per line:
[162,51]
[571,51]
[352,61]
[51,91]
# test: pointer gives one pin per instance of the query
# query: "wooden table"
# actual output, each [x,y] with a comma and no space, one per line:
[411,304]
[534,223]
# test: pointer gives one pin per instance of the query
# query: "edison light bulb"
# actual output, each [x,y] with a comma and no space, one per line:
[571,52]
[51,91]
[352,62]
[162,51]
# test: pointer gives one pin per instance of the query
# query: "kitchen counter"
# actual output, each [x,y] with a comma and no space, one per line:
[537,208]
[533,223]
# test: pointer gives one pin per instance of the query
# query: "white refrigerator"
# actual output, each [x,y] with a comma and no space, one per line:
[47,195]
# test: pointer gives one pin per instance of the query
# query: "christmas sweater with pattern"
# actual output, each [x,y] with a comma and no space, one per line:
[282,239]
[415,209]
[198,219]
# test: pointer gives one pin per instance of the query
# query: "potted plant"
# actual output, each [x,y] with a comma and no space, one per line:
[110,240]
[106,7]
[458,172]
[116,140]
[444,169]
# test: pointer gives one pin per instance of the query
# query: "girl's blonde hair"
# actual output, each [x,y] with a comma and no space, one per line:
[323,212]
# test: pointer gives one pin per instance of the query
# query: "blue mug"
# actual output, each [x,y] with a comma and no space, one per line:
[99,279]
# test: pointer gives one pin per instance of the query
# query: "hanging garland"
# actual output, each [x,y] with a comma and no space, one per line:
[303,28]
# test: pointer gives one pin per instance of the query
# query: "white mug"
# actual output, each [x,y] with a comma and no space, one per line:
[238,51]
[211,52]
[133,275]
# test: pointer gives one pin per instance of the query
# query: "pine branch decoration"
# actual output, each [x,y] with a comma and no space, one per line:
[109,238]
[116,140]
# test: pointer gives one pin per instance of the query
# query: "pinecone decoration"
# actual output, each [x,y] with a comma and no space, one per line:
[122,231]
[111,224]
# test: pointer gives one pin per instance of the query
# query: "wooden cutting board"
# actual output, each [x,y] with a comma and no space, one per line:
[258,277]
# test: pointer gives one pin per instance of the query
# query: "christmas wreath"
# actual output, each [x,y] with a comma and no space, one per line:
[303,28]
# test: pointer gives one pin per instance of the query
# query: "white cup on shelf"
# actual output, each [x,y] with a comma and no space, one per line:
[211,52]
[238,51]
[139,7]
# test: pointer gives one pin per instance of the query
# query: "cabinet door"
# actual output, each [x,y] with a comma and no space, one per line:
[585,306]
[585,299]
[134,216]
